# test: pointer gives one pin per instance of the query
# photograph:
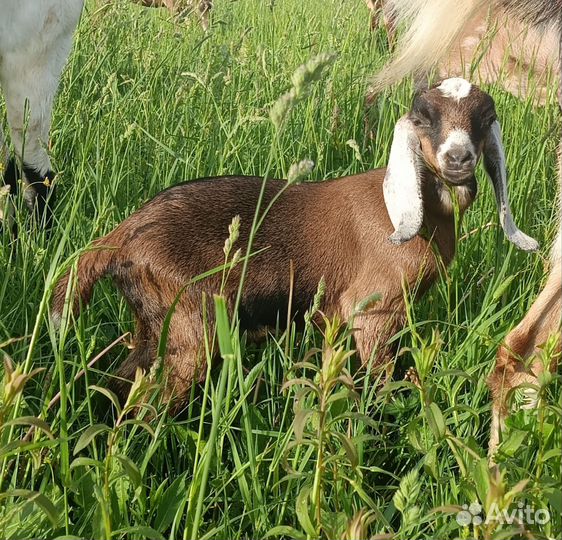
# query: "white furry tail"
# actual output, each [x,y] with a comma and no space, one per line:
[432,27]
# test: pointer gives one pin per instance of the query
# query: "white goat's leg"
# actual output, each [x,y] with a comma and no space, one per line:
[34,53]
[541,322]
[3,152]
[4,155]
[4,190]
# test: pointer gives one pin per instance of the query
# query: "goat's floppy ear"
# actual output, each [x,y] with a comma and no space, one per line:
[494,163]
[402,183]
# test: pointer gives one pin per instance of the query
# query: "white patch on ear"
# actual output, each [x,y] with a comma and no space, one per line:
[457,137]
[494,162]
[402,183]
[455,88]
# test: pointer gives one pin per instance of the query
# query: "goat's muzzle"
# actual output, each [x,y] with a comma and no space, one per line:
[458,164]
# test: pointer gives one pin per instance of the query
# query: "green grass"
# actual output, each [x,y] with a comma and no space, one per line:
[145,103]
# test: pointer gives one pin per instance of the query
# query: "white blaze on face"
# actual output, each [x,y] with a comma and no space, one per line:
[455,88]
[456,138]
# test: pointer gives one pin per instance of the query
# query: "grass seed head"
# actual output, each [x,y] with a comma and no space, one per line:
[299,171]
[310,72]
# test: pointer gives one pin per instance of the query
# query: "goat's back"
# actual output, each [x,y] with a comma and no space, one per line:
[334,230]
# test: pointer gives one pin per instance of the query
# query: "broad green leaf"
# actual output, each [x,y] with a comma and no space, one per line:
[554,497]
[349,448]
[89,435]
[430,463]
[31,421]
[131,470]
[302,509]
[482,479]
[142,530]
[223,328]
[513,442]
[37,498]
[109,395]
[300,422]
[284,531]
[87,462]
[415,432]
[172,500]
[142,424]
[553,453]
[435,419]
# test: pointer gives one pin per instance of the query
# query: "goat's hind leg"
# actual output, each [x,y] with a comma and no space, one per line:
[30,142]
[185,360]
[142,356]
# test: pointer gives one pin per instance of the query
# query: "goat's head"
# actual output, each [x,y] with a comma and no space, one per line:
[447,130]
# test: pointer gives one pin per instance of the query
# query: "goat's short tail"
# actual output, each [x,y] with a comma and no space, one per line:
[432,26]
[92,266]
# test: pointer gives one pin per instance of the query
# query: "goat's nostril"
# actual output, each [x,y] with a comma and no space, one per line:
[458,156]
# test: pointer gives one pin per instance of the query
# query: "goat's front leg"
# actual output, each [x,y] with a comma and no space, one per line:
[3,152]
[29,76]
[30,137]
[541,322]
[371,332]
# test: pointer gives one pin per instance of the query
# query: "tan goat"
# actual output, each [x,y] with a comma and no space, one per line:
[494,48]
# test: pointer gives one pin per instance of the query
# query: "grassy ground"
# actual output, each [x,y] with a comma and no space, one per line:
[145,103]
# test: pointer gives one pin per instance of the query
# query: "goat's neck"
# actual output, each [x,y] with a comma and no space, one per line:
[439,211]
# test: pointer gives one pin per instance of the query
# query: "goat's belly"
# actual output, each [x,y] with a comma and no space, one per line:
[271,311]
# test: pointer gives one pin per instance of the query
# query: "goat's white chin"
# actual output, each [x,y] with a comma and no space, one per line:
[459,178]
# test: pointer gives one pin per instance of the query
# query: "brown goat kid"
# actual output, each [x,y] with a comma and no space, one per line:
[361,234]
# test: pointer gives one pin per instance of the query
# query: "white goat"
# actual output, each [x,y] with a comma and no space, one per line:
[434,27]
[35,40]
